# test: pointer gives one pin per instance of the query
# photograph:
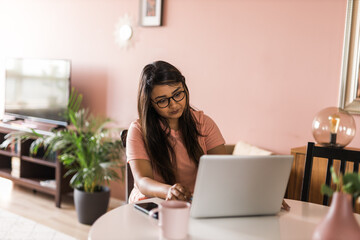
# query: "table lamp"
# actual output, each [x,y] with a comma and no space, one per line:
[333,127]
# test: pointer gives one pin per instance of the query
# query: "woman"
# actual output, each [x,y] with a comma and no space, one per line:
[165,144]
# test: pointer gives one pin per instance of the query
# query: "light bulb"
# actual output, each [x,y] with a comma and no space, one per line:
[334,126]
[334,123]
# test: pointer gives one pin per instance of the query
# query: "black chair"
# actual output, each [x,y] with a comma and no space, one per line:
[331,153]
[128,174]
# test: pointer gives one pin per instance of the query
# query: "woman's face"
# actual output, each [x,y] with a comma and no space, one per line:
[161,96]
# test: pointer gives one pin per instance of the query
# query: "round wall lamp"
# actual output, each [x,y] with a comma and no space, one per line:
[124,32]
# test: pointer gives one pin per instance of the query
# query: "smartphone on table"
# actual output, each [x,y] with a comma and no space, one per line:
[147,207]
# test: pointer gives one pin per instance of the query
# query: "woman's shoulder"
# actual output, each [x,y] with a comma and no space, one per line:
[135,126]
[201,117]
[198,115]
[135,131]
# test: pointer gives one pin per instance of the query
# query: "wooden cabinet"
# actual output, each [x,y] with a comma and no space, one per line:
[44,175]
[318,176]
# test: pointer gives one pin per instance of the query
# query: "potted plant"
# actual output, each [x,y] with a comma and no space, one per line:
[340,222]
[89,154]
[348,184]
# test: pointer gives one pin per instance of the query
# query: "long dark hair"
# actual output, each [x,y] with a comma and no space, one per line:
[157,143]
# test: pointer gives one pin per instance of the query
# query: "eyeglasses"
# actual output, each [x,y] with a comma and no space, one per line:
[177,97]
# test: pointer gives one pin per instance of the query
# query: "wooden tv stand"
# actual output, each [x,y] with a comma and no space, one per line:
[35,173]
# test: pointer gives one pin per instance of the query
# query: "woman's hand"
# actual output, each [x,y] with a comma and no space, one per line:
[178,192]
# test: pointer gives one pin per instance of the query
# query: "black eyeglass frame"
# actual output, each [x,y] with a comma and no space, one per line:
[168,99]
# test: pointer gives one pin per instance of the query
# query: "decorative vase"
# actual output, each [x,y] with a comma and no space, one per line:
[340,222]
[90,206]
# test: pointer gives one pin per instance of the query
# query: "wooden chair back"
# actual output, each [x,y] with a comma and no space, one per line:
[129,179]
[330,153]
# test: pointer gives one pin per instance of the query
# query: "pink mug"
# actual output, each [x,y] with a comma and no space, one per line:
[173,218]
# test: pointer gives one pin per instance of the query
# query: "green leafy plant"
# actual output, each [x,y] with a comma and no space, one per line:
[348,183]
[86,147]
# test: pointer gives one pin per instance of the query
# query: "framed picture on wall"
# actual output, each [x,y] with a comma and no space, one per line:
[151,13]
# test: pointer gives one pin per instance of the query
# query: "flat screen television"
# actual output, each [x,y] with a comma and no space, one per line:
[37,89]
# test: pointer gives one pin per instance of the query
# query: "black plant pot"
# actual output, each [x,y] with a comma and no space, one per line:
[90,206]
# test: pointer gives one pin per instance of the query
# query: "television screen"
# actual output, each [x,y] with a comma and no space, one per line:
[37,89]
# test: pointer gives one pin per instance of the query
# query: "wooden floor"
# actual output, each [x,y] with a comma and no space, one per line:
[41,208]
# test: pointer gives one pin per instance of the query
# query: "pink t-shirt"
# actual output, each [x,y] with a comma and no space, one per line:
[186,169]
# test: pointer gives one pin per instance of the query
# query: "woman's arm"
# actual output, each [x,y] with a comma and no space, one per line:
[143,176]
[217,150]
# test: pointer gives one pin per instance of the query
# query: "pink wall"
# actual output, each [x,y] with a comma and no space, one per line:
[261,69]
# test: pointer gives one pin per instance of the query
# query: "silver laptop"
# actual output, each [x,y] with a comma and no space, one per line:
[228,185]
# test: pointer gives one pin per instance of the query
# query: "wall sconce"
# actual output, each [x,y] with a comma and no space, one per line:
[124,32]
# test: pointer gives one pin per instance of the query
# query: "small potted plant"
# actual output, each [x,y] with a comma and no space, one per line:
[340,222]
[348,184]
[89,154]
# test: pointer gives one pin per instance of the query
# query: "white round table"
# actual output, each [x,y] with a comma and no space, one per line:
[126,222]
